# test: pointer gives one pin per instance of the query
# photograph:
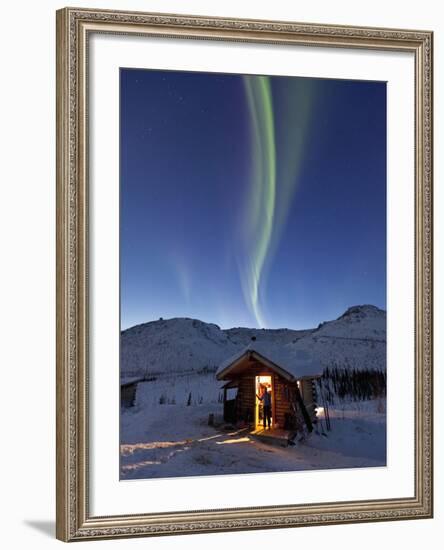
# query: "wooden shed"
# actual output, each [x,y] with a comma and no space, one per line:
[128,389]
[287,373]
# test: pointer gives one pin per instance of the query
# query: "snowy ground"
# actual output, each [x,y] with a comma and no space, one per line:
[173,439]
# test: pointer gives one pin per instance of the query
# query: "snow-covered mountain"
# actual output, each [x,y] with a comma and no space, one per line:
[357,322]
[357,339]
[173,345]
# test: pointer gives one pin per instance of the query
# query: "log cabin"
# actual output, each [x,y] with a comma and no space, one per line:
[288,375]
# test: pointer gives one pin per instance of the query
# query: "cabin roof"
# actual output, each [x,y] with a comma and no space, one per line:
[127,381]
[290,363]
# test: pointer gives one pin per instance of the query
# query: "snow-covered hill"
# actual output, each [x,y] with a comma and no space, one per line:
[366,322]
[173,345]
[357,339]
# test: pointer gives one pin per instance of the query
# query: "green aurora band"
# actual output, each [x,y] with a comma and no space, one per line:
[279,122]
[262,209]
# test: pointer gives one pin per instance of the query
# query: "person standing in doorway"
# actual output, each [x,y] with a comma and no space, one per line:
[266,401]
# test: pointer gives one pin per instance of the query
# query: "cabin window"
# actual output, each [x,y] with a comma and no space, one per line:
[231,393]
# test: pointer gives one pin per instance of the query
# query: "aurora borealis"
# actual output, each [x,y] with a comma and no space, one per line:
[263,189]
[250,200]
[268,204]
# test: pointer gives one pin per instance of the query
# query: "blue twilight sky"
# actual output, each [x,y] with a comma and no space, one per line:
[250,200]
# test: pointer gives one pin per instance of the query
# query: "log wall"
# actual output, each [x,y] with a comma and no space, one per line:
[283,396]
[284,402]
[246,396]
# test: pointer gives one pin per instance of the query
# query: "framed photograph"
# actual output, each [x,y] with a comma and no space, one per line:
[244,274]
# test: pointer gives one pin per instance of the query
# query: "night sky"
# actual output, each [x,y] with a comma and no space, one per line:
[250,200]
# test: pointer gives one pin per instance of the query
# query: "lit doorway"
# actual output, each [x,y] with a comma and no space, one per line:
[262,383]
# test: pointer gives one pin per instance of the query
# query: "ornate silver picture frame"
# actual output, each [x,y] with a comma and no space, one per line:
[76,519]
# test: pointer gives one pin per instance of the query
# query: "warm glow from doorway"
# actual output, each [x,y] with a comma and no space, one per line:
[262,382]
[239,440]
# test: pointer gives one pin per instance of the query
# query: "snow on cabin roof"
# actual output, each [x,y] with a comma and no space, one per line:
[295,364]
[125,381]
